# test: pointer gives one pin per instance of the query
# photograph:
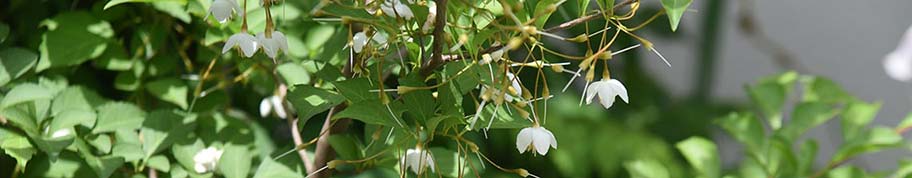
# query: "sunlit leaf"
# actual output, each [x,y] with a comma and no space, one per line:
[702,154]
[118,115]
[675,9]
[170,90]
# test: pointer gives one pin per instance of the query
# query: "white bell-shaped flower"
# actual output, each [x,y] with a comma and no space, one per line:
[273,103]
[535,138]
[222,10]
[606,91]
[898,64]
[417,160]
[272,46]
[395,8]
[246,42]
[359,41]
[205,160]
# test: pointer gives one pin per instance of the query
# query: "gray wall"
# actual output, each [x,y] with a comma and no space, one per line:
[844,40]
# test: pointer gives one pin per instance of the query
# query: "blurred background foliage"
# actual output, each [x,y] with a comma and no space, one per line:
[143,52]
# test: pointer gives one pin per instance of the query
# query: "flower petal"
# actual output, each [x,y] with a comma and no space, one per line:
[515,83]
[359,41]
[281,41]
[619,89]
[265,107]
[551,137]
[523,139]
[541,140]
[592,90]
[279,107]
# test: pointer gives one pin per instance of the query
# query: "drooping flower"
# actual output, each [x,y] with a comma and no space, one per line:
[535,138]
[222,10]
[898,64]
[417,160]
[246,42]
[395,8]
[273,45]
[273,103]
[606,91]
[205,160]
[359,41]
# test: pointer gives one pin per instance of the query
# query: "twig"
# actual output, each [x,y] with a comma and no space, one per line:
[437,47]
[323,152]
[594,15]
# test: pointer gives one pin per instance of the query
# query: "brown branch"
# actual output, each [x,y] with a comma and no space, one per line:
[324,153]
[592,16]
[437,47]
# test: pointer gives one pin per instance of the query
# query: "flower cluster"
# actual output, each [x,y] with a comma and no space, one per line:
[270,40]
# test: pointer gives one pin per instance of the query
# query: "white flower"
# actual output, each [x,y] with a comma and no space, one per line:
[359,41]
[273,45]
[417,159]
[224,9]
[243,40]
[898,64]
[267,105]
[515,84]
[395,8]
[205,160]
[606,90]
[535,138]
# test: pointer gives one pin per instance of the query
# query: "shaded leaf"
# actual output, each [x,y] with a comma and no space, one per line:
[309,101]
[15,62]
[171,90]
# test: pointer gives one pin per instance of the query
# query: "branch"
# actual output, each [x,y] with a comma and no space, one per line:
[594,15]
[324,153]
[437,47]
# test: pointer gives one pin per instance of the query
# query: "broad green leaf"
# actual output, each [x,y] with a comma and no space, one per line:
[175,8]
[126,81]
[72,38]
[70,118]
[76,98]
[101,142]
[876,139]
[857,115]
[647,168]
[346,147]
[356,90]
[448,163]
[185,150]
[542,11]
[21,116]
[17,146]
[127,145]
[309,101]
[702,155]
[104,166]
[69,164]
[293,74]
[162,128]
[770,94]
[805,117]
[235,162]
[178,172]
[806,155]
[269,168]
[746,129]
[160,162]
[420,102]
[373,112]
[824,90]
[118,115]
[675,9]
[15,62]
[53,145]
[780,158]
[171,90]
[25,93]
[113,3]
[115,58]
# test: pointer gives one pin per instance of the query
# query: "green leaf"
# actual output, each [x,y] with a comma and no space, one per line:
[70,118]
[356,90]
[905,124]
[847,172]
[675,9]
[162,128]
[76,98]
[127,145]
[175,8]
[171,90]
[293,74]
[770,94]
[420,102]
[118,115]
[15,62]
[102,142]
[309,101]
[160,162]
[746,129]
[646,168]
[269,168]
[25,93]
[126,81]
[185,150]
[701,154]
[373,112]
[806,156]
[72,38]
[69,164]
[448,163]
[235,162]
[904,169]
[824,90]
[104,166]
[17,146]
[345,146]
[114,58]
[542,11]
[857,115]
[806,116]
[113,3]
[876,139]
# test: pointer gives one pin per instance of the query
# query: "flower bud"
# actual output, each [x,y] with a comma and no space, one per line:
[590,75]
[579,38]
[557,68]
[514,43]
[605,55]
